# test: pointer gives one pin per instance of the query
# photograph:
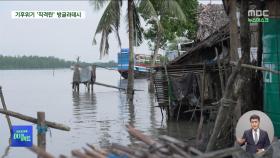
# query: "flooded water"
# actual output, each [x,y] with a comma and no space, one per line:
[98,117]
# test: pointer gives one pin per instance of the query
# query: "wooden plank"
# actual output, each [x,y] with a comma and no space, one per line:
[180,151]
[111,86]
[79,154]
[94,153]
[34,120]
[140,135]
[5,108]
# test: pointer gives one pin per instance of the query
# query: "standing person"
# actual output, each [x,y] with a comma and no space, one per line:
[256,139]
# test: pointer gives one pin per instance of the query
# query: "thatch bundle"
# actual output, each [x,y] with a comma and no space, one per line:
[211,17]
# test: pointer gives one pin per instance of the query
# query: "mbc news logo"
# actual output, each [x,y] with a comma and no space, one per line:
[257,16]
[21,136]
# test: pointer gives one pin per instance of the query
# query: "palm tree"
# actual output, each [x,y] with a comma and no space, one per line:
[162,8]
[110,21]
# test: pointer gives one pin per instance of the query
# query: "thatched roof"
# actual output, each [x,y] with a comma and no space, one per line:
[213,28]
[219,35]
[211,17]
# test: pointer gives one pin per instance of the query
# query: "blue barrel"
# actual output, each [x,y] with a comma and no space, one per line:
[123,59]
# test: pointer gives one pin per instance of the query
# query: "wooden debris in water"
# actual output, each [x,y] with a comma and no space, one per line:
[163,147]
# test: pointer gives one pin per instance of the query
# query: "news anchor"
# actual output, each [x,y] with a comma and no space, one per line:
[256,139]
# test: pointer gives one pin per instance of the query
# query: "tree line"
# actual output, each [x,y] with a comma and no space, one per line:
[36,62]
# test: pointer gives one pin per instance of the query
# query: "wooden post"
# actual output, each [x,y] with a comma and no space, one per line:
[41,131]
[220,71]
[5,108]
[232,90]
[76,78]
[130,79]
[233,30]
[93,76]
[169,97]
[199,129]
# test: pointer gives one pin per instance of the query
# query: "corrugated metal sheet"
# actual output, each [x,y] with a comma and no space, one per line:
[271,59]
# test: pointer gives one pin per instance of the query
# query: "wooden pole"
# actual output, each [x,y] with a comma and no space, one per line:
[93,153]
[34,120]
[41,131]
[178,113]
[139,135]
[256,67]
[232,90]
[204,108]
[220,71]
[79,154]
[76,78]
[93,76]
[111,86]
[5,108]
[169,97]
[199,129]
[130,79]
[233,30]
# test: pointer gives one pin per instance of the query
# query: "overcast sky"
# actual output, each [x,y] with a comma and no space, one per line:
[64,39]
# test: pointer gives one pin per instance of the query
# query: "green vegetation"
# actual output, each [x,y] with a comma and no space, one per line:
[36,62]
[109,64]
[32,62]
[171,23]
[110,22]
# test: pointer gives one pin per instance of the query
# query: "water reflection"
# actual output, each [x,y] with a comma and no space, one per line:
[152,109]
[97,117]
[6,152]
[104,137]
[123,83]
[125,104]
[84,109]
